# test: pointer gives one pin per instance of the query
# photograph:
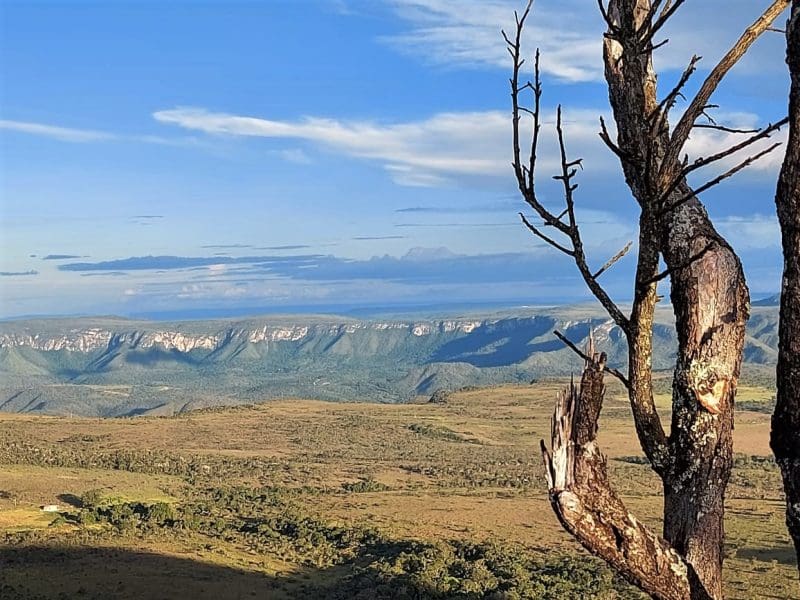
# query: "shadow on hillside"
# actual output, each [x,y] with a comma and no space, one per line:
[508,344]
[155,356]
[71,500]
[43,572]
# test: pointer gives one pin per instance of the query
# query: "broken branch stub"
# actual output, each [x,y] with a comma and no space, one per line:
[587,506]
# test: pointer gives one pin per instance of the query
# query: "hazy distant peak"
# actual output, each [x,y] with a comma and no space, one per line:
[774,300]
[424,254]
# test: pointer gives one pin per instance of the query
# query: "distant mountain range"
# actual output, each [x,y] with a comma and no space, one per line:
[774,300]
[120,367]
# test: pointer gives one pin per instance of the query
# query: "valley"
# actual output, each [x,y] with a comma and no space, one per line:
[112,367]
[309,499]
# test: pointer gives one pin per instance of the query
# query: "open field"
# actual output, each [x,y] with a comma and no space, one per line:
[305,499]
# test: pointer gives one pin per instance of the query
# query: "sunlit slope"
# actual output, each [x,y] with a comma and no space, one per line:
[114,367]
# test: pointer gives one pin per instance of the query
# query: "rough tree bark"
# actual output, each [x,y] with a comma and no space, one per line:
[709,298]
[786,419]
[587,506]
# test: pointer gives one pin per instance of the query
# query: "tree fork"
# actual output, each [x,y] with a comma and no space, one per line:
[709,297]
[587,506]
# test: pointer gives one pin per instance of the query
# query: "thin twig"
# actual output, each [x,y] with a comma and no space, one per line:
[653,28]
[667,272]
[702,162]
[612,260]
[525,175]
[696,192]
[662,110]
[537,95]
[712,81]
[723,128]
[583,355]
[612,27]
[760,135]
[604,135]
[568,171]
[540,235]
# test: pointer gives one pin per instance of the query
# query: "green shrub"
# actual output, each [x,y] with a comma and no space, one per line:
[58,521]
[159,513]
[364,485]
[87,517]
[91,498]
[122,516]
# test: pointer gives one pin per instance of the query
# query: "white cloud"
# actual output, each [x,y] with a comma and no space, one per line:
[569,34]
[84,136]
[446,147]
[429,152]
[445,143]
[467,33]
[65,134]
[433,152]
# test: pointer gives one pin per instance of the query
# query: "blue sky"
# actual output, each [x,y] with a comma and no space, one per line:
[179,155]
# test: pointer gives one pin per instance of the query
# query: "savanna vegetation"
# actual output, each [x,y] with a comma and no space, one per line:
[314,500]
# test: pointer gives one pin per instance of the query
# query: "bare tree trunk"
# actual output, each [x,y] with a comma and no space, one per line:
[785,440]
[710,300]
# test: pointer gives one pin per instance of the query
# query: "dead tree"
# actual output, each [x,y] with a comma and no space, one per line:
[586,504]
[709,297]
[785,440]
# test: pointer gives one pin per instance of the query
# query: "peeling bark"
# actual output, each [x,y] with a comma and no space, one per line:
[588,507]
[785,440]
[710,300]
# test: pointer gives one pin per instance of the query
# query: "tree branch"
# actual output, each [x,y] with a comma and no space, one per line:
[666,14]
[760,135]
[568,171]
[681,132]
[612,260]
[649,428]
[535,230]
[606,137]
[662,111]
[723,128]
[616,373]
[587,506]
[669,271]
[526,175]
[706,186]
[612,28]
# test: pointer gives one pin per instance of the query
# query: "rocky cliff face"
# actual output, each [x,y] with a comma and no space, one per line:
[112,367]
[90,339]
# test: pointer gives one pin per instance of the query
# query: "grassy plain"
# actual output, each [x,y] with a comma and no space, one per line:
[304,499]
